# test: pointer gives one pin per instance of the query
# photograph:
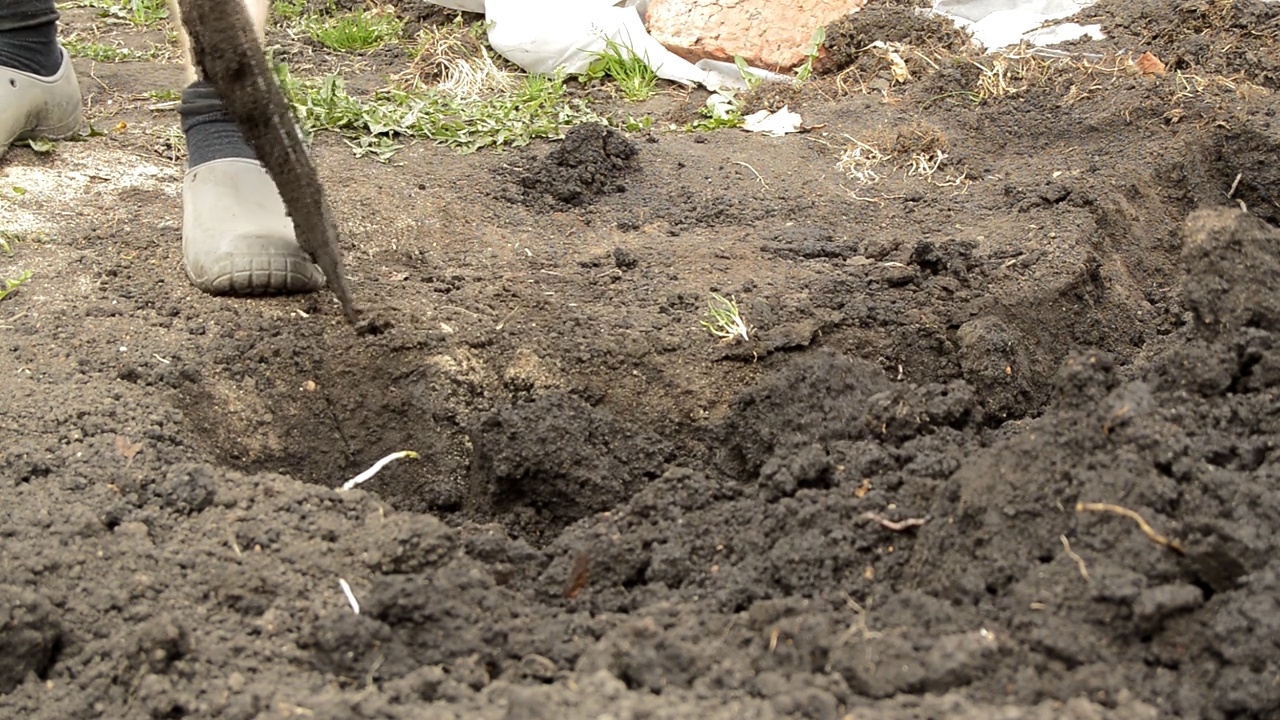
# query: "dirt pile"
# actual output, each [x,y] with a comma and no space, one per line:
[1232,38]
[592,160]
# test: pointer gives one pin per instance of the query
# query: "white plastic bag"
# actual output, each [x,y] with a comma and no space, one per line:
[545,36]
[1001,23]
[475,6]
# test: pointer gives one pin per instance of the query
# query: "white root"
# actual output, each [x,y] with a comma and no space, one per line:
[377,467]
[351,597]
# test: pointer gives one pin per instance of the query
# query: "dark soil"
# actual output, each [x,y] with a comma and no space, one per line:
[590,161]
[914,493]
[1233,38]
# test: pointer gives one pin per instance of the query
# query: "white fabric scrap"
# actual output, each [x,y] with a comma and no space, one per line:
[772,123]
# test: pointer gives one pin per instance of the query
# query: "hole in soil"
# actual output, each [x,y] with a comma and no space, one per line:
[639,578]
[488,456]
[55,654]
[1205,588]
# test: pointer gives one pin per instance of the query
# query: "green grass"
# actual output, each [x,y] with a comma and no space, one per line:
[134,12]
[359,31]
[636,80]
[537,107]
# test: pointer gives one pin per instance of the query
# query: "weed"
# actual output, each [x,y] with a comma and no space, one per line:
[359,31]
[456,59]
[634,124]
[925,165]
[377,467]
[1010,74]
[722,110]
[805,71]
[918,150]
[535,107]
[724,320]
[8,239]
[162,100]
[749,77]
[860,161]
[709,123]
[636,80]
[380,147]
[170,143]
[11,284]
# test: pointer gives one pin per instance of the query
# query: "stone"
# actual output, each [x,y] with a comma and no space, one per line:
[767,34]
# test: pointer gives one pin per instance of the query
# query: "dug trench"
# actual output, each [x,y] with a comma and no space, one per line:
[867,510]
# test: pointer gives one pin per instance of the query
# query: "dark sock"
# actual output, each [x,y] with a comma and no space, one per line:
[211,133]
[29,36]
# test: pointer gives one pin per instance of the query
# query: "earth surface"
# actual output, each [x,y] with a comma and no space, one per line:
[1002,442]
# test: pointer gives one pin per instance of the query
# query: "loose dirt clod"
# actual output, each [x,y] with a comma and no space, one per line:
[591,161]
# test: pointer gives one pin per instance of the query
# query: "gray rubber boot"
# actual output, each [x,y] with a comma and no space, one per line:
[39,107]
[237,238]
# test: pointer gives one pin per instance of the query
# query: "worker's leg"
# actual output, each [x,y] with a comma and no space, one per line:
[39,95]
[236,236]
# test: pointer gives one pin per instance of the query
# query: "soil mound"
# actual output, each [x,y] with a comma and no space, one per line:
[592,160]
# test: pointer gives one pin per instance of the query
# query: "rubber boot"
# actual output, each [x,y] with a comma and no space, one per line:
[237,238]
[34,107]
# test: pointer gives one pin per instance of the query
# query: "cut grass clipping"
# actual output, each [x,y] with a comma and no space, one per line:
[724,320]
[456,92]
[535,108]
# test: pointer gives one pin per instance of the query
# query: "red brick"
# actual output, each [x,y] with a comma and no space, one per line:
[769,34]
